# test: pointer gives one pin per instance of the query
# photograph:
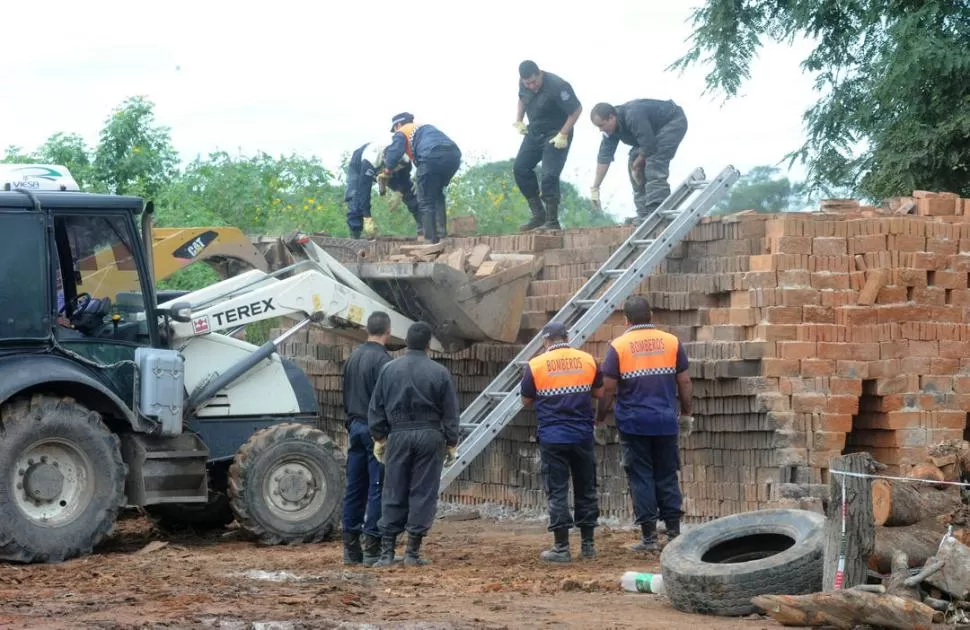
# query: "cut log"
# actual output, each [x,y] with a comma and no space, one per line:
[859,529]
[954,577]
[930,473]
[895,504]
[846,609]
[920,541]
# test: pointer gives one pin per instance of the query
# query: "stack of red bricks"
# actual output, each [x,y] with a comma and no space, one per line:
[809,335]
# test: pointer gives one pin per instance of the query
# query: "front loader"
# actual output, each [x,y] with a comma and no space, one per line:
[146,398]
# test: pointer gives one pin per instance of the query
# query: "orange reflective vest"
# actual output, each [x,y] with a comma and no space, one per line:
[646,361]
[408,129]
[563,379]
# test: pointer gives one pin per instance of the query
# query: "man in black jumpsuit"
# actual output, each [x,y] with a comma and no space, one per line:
[366,163]
[553,109]
[413,419]
[654,129]
[362,501]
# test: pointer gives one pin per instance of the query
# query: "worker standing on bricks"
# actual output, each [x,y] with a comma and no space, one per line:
[365,474]
[646,370]
[366,165]
[553,110]
[654,129]
[436,159]
[562,382]
[413,418]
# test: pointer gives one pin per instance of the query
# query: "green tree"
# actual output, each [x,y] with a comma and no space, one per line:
[134,153]
[895,111]
[15,155]
[762,190]
[70,150]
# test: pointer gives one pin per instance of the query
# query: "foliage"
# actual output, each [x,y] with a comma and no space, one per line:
[894,114]
[759,189]
[134,154]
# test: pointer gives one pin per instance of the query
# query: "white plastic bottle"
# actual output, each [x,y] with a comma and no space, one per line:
[643,582]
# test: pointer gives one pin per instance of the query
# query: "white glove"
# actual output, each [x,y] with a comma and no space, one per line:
[594,196]
[686,425]
[561,141]
[521,127]
[451,456]
[370,228]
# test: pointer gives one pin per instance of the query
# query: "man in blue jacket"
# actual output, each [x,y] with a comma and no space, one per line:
[366,164]
[436,158]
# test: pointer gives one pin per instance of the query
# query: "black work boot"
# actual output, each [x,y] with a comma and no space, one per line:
[355,234]
[538,215]
[588,548]
[648,538]
[388,544]
[560,550]
[412,556]
[372,549]
[552,215]
[673,529]
[352,550]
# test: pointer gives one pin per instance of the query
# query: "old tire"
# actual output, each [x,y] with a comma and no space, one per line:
[717,567]
[215,514]
[286,485]
[63,479]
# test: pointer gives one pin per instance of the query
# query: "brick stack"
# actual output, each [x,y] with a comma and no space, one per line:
[809,335]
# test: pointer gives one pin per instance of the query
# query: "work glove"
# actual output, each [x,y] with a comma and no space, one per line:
[594,196]
[521,127]
[379,450]
[370,228]
[382,183]
[600,433]
[561,141]
[686,425]
[451,456]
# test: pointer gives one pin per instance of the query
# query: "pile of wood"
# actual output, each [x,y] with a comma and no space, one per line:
[905,553]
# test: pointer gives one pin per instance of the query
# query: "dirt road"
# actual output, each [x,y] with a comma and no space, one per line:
[485,575]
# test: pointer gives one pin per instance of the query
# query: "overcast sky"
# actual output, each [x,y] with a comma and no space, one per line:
[321,78]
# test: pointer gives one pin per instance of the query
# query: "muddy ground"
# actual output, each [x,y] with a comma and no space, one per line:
[486,575]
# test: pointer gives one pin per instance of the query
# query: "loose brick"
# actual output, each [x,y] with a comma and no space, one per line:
[941,384]
[799,297]
[936,207]
[794,278]
[915,365]
[796,349]
[950,279]
[830,280]
[884,368]
[832,422]
[790,245]
[910,277]
[852,369]
[892,294]
[924,348]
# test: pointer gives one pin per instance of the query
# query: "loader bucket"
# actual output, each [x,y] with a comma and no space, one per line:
[462,309]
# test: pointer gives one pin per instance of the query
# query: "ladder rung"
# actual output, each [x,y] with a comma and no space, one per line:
[585,302]
[495,394]
[700,184]
[468,425]
[643,241]
[613,272]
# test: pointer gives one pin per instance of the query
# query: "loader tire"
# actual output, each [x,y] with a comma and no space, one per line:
[64,479]
[215,514]
[717,567]
[286,485]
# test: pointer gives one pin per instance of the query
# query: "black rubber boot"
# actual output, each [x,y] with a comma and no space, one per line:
[673,529]
[648,538]
[552,216]
[355,234]
[352,551]
[538,215]
[372,549]
[388,545]
[560,550]
[588,548]
[412,556]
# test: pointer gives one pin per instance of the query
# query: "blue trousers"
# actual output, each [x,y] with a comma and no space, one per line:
[651,463]
[365,479]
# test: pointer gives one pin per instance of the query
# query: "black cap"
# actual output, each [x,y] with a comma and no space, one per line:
[403,117]
[556,330]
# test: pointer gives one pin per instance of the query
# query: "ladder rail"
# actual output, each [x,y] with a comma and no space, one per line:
[500,401]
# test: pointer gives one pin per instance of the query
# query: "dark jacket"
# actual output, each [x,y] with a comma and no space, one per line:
[549,108]
[637,125]
[426,139]
[414,392]
[360,376]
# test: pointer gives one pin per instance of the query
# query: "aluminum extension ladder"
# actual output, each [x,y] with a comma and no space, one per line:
[584,313]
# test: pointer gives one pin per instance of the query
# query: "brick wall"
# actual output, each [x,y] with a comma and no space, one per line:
[808,335]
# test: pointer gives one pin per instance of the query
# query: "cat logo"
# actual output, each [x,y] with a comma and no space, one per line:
[194,247]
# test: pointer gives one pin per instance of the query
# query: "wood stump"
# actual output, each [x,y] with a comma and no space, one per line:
[860,532]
